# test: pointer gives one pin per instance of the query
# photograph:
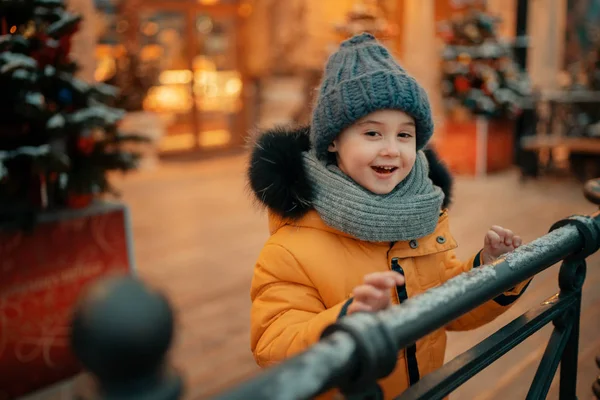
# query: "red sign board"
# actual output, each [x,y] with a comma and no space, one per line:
[41,276]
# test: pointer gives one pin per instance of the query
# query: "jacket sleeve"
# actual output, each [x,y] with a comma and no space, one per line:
[287,314]
[487,312]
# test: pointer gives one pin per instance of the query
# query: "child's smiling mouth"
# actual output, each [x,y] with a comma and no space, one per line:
[384,169]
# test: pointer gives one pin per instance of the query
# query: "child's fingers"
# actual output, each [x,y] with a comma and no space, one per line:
[505,235]
[493,239]
[369,294]
[384,280]
[357,306]
[498,229]
[508,237]
[517,241]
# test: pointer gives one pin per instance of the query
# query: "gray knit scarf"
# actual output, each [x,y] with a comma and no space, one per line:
[410,211]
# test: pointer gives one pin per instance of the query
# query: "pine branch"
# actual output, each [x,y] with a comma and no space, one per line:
[9,62]
[47,15]
[97,116]
[52,162]
[102,91]
[81,91]
[7,6]
[14,43]
[67,24]
[43,157]
[49,3]
[33,106]
[24,78]
[116,160]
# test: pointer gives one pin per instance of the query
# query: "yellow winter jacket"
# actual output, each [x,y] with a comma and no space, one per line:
[305,274]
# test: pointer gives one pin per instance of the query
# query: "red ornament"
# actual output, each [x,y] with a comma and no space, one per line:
[79,200]
[86,144]
[53,55]
[462,84]
[65,46]
[44,54]
[447,36]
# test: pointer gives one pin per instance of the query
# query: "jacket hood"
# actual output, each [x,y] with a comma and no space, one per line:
[278,179]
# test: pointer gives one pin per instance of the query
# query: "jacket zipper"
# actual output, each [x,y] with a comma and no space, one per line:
[410,351]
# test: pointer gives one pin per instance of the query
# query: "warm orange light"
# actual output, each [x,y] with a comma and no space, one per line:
[214,138]
[175,77]
[151,52]
[13,29]
[168,99]
[150,29]
[245,10]
[181,141]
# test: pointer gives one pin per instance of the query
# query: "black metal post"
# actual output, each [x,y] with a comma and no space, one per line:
[563,345]
[525,123]
[568,362]
[571,278]
[550,360]
[521,33]
[121,333]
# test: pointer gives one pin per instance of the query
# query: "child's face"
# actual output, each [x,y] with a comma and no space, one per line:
[377,151]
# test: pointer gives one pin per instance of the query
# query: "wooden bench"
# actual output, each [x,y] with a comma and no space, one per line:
[583,153]
[572,144]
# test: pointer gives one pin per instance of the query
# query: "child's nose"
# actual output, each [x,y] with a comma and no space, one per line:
[390,150]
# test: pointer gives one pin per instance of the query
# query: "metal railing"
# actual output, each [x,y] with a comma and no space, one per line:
[359,349]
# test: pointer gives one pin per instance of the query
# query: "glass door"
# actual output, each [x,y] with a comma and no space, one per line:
[217,79]
[162,41]
[198,94]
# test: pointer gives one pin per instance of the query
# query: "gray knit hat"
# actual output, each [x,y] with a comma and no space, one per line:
[360,78]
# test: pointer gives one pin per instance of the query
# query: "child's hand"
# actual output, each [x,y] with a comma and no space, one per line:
[498,241]
[374,294]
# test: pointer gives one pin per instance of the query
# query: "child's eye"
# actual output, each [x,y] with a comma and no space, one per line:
[371,133]
[404,135]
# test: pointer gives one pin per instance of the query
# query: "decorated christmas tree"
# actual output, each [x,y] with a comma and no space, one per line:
[479,72]
[127,70]
[59,136]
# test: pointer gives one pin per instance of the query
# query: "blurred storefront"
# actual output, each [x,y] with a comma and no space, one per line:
[211,71]
[188,57]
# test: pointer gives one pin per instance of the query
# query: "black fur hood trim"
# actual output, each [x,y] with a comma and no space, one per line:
[277,177]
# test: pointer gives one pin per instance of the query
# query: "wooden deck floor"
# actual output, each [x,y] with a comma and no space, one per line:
[197,235]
